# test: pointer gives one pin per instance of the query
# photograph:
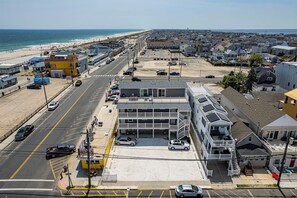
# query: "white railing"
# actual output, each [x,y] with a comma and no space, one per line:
[161,125]
[207,172]
[173,127]
[216,156]
[233,172]
[147,114]
[127,125]
[145,125]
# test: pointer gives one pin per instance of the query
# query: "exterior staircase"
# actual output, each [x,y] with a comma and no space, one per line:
[184,127]
[233,169]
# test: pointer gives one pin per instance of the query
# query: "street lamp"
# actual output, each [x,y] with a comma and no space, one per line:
[44,90]
[71,67]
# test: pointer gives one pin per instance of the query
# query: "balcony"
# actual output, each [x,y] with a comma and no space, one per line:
[143,125]
[219,156]
[127,125]
[148,115]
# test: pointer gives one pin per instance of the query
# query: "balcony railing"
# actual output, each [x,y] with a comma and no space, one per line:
[219,156]
[161,125]
[144,125]
[220,143]
[147,114]
[128,125]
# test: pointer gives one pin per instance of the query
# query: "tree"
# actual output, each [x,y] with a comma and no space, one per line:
[236,81]
[256,59]
[251,78]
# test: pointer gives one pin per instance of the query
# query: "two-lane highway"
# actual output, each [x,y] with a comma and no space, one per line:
[23,165]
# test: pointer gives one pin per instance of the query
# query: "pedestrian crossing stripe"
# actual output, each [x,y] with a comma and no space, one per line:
[104,75]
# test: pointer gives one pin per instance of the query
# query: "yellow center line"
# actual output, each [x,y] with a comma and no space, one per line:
[150,194]
[114,192]
[37,147]
[84,192]
[162,194]
[139,194]
[99,193]
[170,194]
[50,162]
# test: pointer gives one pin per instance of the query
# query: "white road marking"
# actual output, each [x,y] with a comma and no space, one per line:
[250,193]
[24,180]
[208,194]
[26,189]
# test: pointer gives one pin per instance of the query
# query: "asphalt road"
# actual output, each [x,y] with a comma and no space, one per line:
[23,166]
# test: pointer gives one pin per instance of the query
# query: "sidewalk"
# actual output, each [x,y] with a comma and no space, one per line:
[101,138]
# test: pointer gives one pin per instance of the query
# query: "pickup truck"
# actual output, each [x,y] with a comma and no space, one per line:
[60,150]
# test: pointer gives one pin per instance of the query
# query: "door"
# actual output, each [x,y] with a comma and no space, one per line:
[275,135]
[292,162]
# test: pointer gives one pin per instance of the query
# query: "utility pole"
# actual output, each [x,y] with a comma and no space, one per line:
[128,57]
[44,90]
[283,161]
[89,168]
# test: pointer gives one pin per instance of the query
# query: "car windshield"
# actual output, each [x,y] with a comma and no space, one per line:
[21,131]
[195,188]
[180,187]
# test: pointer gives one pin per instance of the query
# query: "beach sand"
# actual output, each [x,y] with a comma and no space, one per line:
[22,55]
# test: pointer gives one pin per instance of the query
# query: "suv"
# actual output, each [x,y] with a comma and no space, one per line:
[161,72]
[125,141]
[129,71]
[210,76]
[24,132]
[188,191]
[178,145]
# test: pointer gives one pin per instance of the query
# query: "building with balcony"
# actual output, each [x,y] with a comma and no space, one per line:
[289,105]
[154,109]
[212,131]
[272,126]
[286,75]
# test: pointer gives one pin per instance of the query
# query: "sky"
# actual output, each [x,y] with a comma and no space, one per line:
[148,14]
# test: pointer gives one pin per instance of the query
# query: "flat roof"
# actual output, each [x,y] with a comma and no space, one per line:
[292,94]
[179,106]
[283,47]
[8,65]
[146,84]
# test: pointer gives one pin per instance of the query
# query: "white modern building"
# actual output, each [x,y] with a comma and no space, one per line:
[212,132]
[286,75]
[286,50]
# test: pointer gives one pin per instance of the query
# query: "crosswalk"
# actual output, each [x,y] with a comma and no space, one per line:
[104,75]
[57,165]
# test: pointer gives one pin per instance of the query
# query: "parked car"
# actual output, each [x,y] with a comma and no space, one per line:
[78,83]
[136,79]
[161,72]
[114,92]
[129,71]
[188,191]
[34,86]
[126,141]
[178,145]
[24,132]
[60,150]
[174,73]
[136,61]
[112,97]
[210,76]
[53,105]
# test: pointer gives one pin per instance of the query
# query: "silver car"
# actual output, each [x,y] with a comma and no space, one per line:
[125,141]
[53,105]
[178,145]
[188,191]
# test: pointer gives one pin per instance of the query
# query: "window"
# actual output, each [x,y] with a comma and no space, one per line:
[161,92]
[288,84]
[286,100]
[293,102]
[276,162]
[294,86]
[143,92]
[269,78]
[250,138]
[203,122]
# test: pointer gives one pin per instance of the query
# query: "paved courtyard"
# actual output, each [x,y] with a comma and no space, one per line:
[150,160]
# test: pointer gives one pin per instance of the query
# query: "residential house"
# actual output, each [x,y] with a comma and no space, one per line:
[154,108]
[212,132]
[265,80]
[285,50]
[286,75]
[290,104]
[271,125]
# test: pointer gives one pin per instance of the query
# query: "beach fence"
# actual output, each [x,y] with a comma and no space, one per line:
[8,133]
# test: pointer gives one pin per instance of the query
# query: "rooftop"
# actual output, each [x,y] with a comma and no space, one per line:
[146,84]
[292,94]
[283,47]
[258,111]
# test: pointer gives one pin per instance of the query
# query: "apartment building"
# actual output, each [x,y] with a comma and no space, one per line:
[286,75]
[154,108]
[290,106]
[272,126]
[212,132]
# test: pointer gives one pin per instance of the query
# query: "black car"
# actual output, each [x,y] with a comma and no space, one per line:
[161,73]
[136,79]
[210,76]
[34,86]
[174,73]
[60,150]
[129,71]
[24,132]
[78,83]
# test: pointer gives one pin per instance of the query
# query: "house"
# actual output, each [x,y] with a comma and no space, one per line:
[265,80]
[6,68]
[64,63]
[230,55]
[212,132]
[283,50]
[268,123]
[286,75]
[187,50]
[290,104]
[168,44]
[155,108]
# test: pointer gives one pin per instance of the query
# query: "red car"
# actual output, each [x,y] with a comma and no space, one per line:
[113,92]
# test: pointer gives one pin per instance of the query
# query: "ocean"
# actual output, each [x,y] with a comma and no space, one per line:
[17,39]
[259,31]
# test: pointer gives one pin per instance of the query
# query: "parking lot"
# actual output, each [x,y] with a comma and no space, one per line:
[150,160]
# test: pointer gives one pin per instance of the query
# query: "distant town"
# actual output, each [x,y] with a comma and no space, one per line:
[147,113]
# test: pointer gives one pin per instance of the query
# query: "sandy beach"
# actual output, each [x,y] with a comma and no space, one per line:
[24,54]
